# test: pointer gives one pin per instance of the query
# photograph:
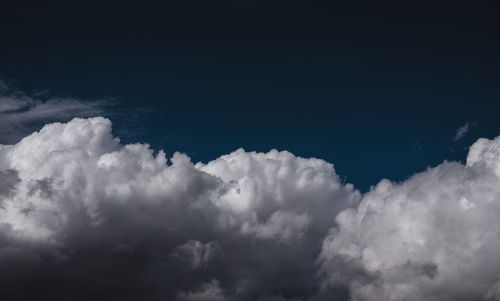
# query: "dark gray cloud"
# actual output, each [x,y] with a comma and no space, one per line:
[8,182]
[92,218]
[86,217]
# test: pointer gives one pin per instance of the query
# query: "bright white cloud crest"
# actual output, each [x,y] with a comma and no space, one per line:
[113,220]
[79,189]
[435,236]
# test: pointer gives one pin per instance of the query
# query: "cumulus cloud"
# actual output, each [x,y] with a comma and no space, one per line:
[20,114]
[435,236]
[84,216]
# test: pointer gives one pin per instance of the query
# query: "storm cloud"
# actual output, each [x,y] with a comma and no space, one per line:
[84,216]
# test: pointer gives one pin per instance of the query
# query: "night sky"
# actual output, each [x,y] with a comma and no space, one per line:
[379,89]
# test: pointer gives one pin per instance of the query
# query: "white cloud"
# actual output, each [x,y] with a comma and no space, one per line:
[124,222]
[435,236]
[126,219]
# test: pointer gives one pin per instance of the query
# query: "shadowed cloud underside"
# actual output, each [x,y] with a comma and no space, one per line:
[84,216]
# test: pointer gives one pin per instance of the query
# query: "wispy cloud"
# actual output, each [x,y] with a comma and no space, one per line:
[461,131]
[20,113]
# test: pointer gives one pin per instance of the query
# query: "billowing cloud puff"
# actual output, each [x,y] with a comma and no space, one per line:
[435,236]
[84,217]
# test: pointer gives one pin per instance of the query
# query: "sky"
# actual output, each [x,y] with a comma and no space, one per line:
[250,150]
[361,85]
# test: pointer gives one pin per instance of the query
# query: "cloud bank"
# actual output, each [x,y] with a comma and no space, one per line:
[83,216]
[435,236]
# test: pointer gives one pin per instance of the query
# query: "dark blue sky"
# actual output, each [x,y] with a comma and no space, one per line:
[377,89]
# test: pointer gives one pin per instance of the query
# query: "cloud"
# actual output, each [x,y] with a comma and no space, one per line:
[435,236]
[461,131]
[208,292]
[86,217]
[8,182]
[196,253]
[281,225]
[20,114]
